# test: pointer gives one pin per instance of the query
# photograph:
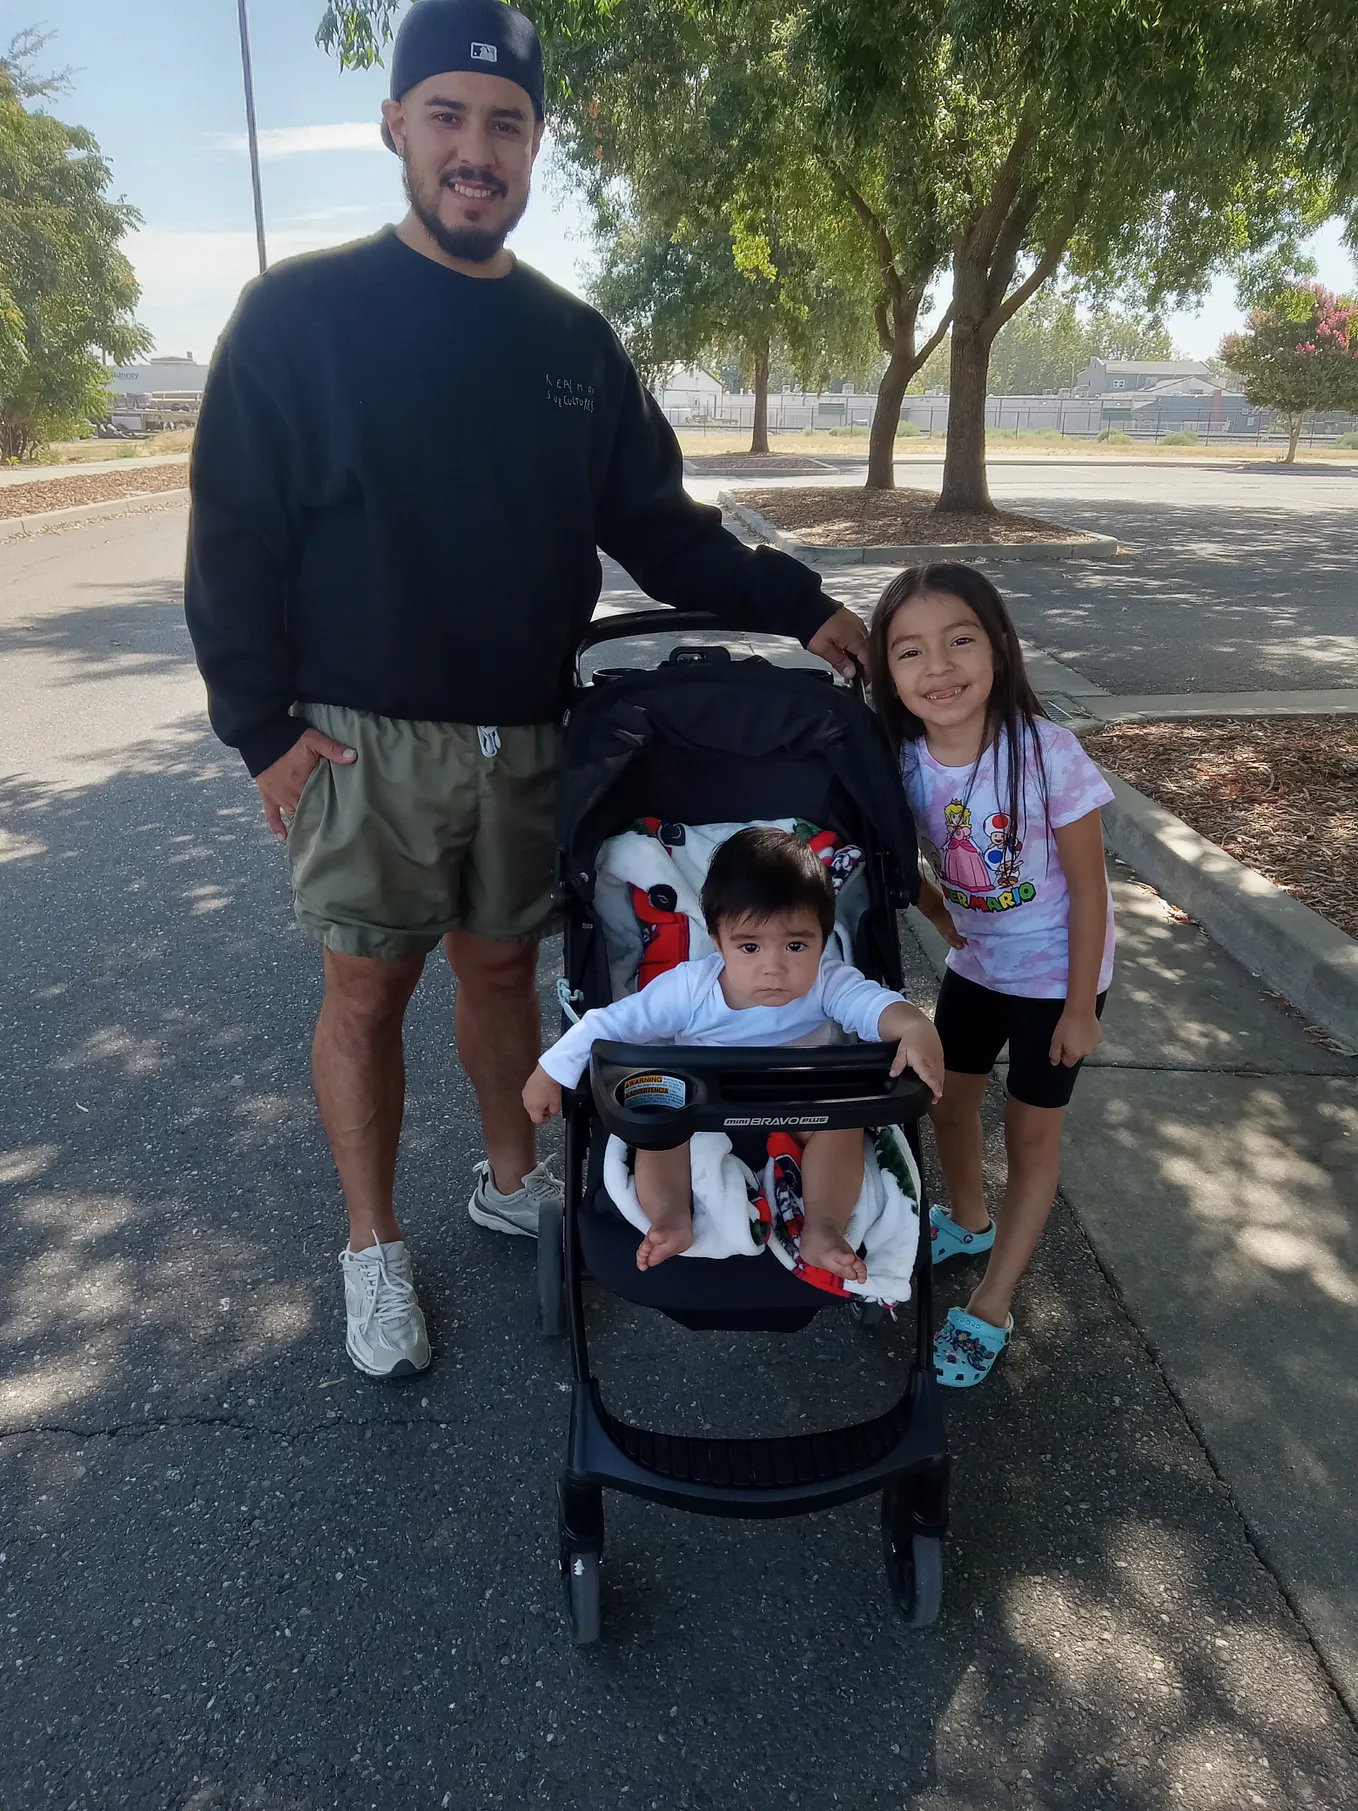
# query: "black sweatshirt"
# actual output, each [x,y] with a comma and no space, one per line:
[400,481]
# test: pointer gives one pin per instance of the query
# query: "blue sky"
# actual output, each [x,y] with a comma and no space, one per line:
[158,83]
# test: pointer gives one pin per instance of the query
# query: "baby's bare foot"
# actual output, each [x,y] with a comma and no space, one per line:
[669,1235]
[825,1248]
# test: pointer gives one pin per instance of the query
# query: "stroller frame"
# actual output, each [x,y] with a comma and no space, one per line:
[901,1453]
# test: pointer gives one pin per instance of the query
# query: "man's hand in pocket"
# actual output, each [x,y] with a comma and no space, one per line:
[280,786]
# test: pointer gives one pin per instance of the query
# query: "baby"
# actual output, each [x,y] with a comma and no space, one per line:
[770,908]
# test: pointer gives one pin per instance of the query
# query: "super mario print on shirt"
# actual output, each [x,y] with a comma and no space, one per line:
[1002,881]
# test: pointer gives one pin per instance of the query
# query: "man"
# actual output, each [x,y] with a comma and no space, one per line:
[410,450]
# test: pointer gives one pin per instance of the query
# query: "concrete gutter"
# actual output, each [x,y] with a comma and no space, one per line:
[1097,547]
[1297,952]
[13,526]
[1181,706]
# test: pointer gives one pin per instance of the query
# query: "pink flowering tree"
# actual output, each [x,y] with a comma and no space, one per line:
[1299,353]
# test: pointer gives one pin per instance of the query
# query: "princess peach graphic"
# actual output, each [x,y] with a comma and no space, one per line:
[963,865]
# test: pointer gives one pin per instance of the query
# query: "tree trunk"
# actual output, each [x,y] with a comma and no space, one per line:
[964,474]
[882,439]
[759,439]
[1294,423]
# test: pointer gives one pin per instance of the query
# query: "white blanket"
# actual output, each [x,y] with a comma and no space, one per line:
[736,1214]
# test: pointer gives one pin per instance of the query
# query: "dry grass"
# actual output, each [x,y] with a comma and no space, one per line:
[86,452]
[849,516]
[1278,793]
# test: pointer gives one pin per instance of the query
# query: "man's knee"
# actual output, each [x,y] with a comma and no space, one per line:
[485,968]
[367,993]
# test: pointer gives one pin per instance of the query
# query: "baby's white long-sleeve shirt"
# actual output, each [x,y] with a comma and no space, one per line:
[686,1006]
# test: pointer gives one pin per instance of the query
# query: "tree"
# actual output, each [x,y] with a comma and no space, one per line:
[66,291]
[702,295]
[1299,353]
[1137,145]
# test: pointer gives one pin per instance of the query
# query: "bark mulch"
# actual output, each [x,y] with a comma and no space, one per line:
[93,487]
[849,516]
[760,464]
[1278,793]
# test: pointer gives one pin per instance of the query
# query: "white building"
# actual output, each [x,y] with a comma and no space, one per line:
[688,395]
[168,376]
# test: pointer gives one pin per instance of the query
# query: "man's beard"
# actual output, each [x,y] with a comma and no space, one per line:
[466,243]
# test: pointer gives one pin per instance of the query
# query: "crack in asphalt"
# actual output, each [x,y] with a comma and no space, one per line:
[142,1430]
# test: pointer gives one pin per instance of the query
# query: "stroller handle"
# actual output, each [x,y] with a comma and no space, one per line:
[648,622]
[655,1097]
[679,622]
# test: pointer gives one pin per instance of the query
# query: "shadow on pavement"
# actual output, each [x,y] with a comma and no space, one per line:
[236,1574]
[141,634]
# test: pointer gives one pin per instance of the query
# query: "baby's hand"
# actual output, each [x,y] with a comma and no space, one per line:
[541,1097]
[920,1049]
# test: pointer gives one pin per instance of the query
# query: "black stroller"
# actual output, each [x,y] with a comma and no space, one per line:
[704,739]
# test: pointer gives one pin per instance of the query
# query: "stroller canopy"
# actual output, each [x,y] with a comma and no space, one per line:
[721,740]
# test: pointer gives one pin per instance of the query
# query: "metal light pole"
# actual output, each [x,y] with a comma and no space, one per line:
[251,134]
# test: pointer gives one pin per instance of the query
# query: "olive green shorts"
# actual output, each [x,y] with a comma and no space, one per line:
[435,827]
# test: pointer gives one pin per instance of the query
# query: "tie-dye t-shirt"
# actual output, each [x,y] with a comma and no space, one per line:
[1005,889]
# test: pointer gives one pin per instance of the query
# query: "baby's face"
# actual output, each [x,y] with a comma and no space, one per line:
[771,961]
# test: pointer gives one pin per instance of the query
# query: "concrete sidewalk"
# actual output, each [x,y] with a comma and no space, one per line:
[1211,1161]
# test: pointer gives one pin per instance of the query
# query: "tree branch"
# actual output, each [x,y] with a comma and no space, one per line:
[985,230]
[1005,256]
[1052,253]
[935,339]
[877,233]
[885,338]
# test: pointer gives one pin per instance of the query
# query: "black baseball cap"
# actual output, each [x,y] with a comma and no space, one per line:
[478,35]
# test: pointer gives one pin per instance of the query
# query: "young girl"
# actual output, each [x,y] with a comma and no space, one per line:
[1030,929]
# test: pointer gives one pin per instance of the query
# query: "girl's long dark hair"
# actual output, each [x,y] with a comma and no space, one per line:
[1013,706]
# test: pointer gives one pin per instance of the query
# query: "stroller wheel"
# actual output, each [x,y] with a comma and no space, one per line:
[866,1314]
[580,1532]
[551,1271]
[580,1576]
[914,1561]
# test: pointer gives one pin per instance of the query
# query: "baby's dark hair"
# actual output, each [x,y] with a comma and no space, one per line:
[762,873]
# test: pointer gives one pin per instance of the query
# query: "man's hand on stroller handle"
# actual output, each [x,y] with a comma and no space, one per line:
[917,1044]
[541,1097]
[842,641]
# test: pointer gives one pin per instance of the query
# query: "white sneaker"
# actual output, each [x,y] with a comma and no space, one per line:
[516,1213]
[386,1335]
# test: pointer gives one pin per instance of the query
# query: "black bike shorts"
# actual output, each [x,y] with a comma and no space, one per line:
[975,1023]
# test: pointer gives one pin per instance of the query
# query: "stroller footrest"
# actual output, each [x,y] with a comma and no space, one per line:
[752,1477]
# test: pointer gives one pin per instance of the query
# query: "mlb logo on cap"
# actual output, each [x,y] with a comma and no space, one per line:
[485,53]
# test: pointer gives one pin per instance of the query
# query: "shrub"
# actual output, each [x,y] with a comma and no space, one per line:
[1180,438]
[1349,442]
[907,430]
[849,433]
[1115,437]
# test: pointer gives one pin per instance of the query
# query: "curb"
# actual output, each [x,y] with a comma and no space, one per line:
[1099,547]
[1305,957]
[13,526]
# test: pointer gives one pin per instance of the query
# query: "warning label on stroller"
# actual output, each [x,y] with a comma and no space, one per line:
[654,1091]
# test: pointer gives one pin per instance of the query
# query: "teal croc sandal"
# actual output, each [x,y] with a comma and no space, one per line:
[949,1240]
[966,1349]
